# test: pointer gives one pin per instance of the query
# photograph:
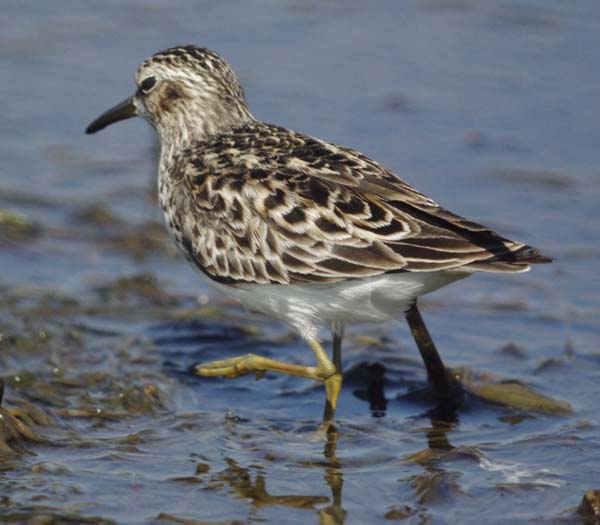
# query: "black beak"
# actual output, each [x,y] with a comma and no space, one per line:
[121,111]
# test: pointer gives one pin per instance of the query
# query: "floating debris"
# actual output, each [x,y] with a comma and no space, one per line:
[132,289]
[589,508]
[142,399]
[400,512]
[510,393]
[15,227]
[16,425]
[170,518]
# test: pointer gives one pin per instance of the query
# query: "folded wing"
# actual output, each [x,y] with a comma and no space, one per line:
[276,206]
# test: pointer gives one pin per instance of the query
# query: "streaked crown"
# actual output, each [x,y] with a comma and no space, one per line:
[189,92]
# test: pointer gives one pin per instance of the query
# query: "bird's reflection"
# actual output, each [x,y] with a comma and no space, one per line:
[374,393]
[436,483]
[240,480]
[434,480]
[432,483]
[438,445]
[333,514]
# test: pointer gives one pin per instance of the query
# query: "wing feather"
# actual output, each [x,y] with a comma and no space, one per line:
[269,205]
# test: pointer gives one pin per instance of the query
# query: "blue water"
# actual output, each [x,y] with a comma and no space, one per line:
[491,108]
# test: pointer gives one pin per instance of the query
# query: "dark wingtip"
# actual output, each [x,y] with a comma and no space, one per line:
[532,256]
[542,259]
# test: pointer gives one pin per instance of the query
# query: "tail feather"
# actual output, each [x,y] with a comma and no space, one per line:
[518,260]
[531,256]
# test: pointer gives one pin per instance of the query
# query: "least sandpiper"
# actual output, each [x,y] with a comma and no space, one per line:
[299,229]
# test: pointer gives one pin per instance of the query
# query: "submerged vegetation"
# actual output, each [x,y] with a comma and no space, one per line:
[101,320]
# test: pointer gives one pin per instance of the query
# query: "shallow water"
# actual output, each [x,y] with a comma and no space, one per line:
[489,107]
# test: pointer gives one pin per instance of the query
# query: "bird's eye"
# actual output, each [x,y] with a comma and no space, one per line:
[147,84]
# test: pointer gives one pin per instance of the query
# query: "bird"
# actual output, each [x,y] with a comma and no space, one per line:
[299,229]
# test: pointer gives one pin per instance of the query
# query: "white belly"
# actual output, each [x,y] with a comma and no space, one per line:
[306,307]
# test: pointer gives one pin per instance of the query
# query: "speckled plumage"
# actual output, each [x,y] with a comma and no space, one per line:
[295,227]
[263,204]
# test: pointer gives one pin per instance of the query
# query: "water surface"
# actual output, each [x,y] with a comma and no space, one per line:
[489,107]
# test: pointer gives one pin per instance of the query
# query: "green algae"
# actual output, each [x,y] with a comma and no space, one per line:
[510,393]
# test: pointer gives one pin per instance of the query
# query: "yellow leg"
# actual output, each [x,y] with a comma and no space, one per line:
[325,371]
[333,386]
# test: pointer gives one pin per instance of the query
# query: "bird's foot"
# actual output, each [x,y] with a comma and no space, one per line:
[325,372]
[230,368]
[256,364]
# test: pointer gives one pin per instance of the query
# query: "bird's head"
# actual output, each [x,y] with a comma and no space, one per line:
[186,93]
